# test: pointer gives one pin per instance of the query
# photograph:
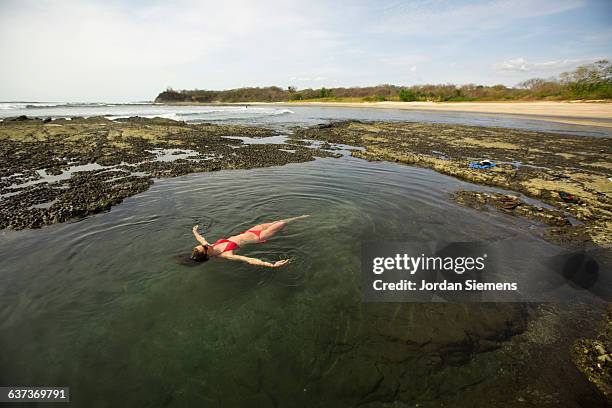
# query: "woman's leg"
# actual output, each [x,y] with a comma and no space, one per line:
[273,227]
[261,227]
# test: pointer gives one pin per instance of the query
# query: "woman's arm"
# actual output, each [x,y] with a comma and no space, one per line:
[255,261]
[197,236]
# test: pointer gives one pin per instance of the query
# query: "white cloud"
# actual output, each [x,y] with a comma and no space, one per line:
[517,64]
[522,65]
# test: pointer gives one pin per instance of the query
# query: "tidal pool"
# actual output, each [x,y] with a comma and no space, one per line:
[108,305]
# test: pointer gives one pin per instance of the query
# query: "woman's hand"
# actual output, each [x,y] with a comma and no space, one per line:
[280,263]
[197,235]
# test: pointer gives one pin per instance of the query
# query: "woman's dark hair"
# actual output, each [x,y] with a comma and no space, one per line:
[199,256]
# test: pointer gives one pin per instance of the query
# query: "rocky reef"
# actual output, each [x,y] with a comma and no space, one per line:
[52,171]
[569,173]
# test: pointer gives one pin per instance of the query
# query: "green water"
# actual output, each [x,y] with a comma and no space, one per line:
[106,306]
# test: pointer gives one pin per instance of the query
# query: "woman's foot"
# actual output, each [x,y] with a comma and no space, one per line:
[297,218]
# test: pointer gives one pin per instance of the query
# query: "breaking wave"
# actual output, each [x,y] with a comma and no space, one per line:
[187,113]
[217,114]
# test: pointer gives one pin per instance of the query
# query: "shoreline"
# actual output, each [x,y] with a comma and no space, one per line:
[570,112]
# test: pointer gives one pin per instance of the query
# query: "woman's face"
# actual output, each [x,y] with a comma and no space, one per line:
[198,252]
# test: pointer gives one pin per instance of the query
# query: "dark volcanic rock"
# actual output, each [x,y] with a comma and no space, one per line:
[121,147]
[21,118]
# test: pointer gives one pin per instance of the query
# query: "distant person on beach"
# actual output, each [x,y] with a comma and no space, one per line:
[224,248]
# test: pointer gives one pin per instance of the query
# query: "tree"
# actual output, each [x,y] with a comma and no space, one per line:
[325,93]
[599,71]
[407,95]
[589,81]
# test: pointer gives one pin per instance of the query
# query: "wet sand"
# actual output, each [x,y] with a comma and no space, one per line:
[577,113]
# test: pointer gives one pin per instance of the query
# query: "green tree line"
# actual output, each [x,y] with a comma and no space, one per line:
[592,81]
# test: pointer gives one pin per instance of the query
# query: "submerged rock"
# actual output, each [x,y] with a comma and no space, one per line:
[593,357]
[511,205]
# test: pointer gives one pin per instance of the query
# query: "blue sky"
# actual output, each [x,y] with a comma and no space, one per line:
[131,50]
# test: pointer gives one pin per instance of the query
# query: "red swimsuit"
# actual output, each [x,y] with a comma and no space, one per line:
[258,233]
[232,246]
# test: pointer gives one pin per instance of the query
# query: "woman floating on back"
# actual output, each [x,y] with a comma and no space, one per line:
[224,248]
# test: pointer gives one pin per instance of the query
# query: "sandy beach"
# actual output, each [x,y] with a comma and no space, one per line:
[573,112]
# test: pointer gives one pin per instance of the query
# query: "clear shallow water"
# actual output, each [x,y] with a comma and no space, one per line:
[106,305]
[284,116]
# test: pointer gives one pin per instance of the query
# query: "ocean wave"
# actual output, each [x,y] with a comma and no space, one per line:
[285,111]
[173,116]
[34,106]
[114,111]
[239,110]
[220,114]
[42,105]
[23,105]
